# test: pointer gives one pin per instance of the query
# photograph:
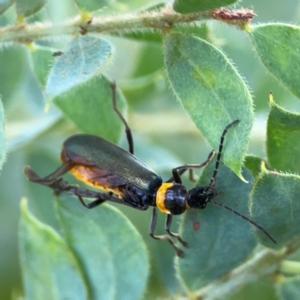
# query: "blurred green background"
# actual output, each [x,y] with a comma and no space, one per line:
[164,135]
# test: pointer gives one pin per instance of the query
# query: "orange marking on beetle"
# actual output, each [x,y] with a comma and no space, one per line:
[161,196]
[92,176]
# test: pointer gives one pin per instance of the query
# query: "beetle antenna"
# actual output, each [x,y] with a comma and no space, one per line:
[243,217]
[213,178]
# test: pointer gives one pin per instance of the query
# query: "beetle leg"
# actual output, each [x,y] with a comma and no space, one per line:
[48,180]
[192,175]
[177,172]
[180,172]
[174,235]
[179,252]
[99,196]
[91,204]
[127,128]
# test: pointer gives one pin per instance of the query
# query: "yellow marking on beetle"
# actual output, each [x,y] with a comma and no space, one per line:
[86,175]
[187,205]
[161,196]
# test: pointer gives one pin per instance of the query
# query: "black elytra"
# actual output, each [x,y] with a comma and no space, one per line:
[124,179]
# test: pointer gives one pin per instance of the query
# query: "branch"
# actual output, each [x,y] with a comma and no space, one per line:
[162,20]
[264,263]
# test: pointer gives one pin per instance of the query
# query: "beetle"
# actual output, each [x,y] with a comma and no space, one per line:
[126,180]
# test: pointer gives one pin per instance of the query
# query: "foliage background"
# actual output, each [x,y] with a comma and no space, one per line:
[164,135]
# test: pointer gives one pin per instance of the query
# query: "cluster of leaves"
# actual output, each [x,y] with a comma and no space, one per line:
[94,262]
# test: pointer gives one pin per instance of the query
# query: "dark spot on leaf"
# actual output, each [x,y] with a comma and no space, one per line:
[196,225]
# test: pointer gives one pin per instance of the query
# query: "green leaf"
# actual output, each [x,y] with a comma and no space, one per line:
[212,93]
[24,132]
[149,61]
[91,5]
[288,289]
[153,37]
[85,58]
[200,30]
[41,60]
[29,7]
[157,5]
[283,144]
[278,46]
[90,107]
[13,65]
[50,270]
[274,203]
[2,135]
[189,6]
[214,234]
[156,37]
[262,289]
[5,4]
[253,164]
[109,248]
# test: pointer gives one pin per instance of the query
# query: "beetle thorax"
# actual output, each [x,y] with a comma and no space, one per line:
[171,198]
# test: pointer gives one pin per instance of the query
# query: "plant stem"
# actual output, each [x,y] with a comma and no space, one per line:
[264,263]
[162,20]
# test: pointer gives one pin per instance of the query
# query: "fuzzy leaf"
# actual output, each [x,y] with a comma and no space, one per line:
[278,46]
[283,143]
[107,246]
[82,95]
[288,289]
[50,270]
[90,107]
[85,58]
[215,233]
[212,93]
[29,7]
[5,4]
[13,66]
[41,60]
[253,164]
[189,6]
[2,135]
[275,205]
[91,5]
